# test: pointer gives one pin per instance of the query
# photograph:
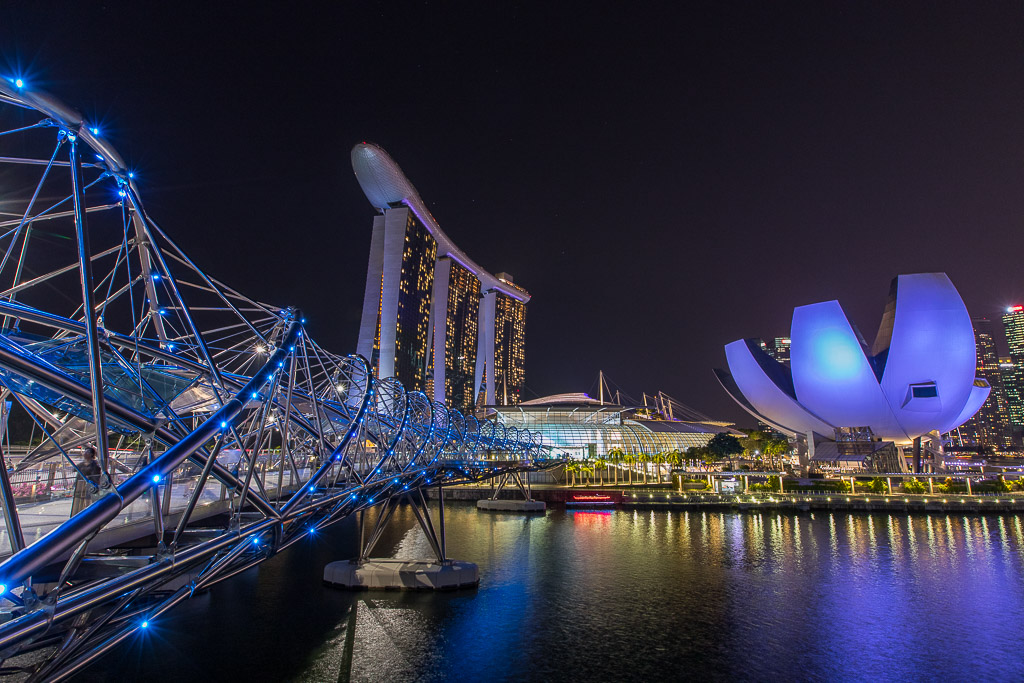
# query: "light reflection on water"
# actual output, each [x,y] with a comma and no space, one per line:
[631,595]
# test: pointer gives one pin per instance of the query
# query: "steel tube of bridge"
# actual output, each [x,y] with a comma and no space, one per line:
[91,596]
[72,532]
[10,511]
[99,413]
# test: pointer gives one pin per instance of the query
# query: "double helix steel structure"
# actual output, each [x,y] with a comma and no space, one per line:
[223,434]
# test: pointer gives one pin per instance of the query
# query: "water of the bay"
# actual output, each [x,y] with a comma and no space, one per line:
[621,596]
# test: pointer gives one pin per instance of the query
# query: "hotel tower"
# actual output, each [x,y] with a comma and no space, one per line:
[432,317]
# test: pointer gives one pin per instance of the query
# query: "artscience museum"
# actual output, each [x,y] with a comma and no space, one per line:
[916,379]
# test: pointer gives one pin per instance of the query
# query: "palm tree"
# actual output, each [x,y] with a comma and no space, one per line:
[572,467]
[662,459]
[616,455]
[586,468]
[675,460]
[644,458]
[630,459]
[601,465]
[775,448]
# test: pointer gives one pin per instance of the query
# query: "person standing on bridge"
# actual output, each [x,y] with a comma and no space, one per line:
[87,482]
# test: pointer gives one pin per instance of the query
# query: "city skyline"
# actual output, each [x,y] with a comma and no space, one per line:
[658,201]
[247,378]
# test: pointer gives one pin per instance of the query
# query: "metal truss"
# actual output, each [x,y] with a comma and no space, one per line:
[223,433]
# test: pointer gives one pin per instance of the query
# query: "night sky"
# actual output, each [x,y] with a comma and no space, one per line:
[663,180]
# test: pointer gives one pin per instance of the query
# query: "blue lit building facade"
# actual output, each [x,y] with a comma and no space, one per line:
[917,378]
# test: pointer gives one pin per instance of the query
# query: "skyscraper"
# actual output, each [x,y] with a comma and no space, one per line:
[460,311]
[990,426]
[509,353]
[432,317]
[1013,371]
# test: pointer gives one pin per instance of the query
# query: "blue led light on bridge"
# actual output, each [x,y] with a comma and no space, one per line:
[405,430]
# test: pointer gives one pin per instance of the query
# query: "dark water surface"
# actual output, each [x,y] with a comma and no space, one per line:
[622,596]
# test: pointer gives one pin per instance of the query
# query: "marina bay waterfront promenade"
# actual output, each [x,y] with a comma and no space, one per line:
[270,409]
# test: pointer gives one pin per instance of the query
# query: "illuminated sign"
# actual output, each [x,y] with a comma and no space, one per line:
[1015,309]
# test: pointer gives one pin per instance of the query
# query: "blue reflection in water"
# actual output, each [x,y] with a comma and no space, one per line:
[629,596]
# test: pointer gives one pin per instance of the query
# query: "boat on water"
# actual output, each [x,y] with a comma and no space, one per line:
[590,500]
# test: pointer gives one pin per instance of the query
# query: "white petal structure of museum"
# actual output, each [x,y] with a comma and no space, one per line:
[917,378]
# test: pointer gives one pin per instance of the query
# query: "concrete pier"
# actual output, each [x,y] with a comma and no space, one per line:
[414,575]
[512,505]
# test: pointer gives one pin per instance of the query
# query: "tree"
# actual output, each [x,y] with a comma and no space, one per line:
[616,455]
[675,458]
[572,467]
[694,455]
[703,455]
[878,485]
[775,447]
[629,458]
[725,446]
[644,458]
[586,469]
[600,465]
[753,443]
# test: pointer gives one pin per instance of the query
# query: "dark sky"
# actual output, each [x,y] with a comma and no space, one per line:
[663,179]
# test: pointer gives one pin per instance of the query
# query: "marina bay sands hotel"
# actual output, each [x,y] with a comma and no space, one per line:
[431,316]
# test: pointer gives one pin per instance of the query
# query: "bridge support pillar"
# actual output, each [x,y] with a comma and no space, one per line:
[527,504]
[440,573]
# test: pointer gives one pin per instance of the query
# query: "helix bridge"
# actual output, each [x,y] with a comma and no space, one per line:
[223,433]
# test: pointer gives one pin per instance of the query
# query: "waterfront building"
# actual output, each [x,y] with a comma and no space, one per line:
[990,427]
[431,316]
[1013,368]
[580,427]
[918,378]
[509,346]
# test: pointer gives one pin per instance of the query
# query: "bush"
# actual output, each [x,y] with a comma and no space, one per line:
[878,485]
[771,485]
[913,486]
